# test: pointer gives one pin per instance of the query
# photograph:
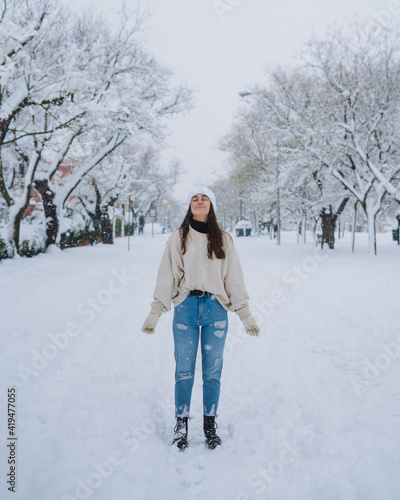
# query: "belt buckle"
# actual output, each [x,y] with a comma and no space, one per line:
[203,293]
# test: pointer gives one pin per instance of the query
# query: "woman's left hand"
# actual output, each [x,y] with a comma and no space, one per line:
[150,323]
[251,326]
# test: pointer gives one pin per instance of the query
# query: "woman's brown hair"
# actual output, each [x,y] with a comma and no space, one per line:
[215,234]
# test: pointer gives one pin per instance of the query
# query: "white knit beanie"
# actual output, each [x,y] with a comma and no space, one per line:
[203,190]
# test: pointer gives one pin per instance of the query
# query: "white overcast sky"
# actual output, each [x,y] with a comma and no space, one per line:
[221,53]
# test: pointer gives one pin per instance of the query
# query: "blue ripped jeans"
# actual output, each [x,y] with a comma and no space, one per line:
[204,318]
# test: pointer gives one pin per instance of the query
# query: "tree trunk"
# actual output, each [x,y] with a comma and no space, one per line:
[106,228]
[328,227]
[314,230]
[17,209]
[97,218]
[50,211]
[398,229]
[328,222]
[354,227]
[113,223]
[16,228]
[372,232]
[371,210]
[16,215]
[299,230]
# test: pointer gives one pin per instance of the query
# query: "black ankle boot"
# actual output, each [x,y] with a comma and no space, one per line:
[181,433]
[212,439]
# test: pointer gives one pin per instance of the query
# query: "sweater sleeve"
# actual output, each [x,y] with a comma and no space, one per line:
[234,283]
[168,277]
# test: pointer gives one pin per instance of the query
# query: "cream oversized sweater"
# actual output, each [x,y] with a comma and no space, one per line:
[178,274]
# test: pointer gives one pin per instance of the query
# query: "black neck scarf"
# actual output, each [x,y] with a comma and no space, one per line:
[201,227]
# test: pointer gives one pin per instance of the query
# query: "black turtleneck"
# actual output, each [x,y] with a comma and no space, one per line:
[201,227]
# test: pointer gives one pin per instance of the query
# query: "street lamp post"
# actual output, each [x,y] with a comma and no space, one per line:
[278,200]
[165,202]
[129,222]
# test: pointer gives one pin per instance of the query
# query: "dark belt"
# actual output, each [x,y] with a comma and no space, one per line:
[199,293]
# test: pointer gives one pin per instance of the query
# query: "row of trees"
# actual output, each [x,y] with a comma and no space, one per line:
[83,115]
[324,133]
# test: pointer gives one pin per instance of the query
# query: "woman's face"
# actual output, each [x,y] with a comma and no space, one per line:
[200,207]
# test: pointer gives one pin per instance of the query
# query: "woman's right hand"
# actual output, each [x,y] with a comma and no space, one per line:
[150,323]
[251,326]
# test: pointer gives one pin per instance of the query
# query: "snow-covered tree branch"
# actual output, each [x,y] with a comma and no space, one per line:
[79,89]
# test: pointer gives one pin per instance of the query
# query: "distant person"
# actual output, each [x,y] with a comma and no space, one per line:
[141,224]
[201,274]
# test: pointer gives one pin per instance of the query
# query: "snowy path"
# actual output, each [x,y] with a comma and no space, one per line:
[309,410]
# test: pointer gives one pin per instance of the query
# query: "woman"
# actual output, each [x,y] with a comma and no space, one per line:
[201,273]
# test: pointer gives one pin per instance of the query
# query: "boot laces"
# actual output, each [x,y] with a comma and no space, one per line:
[180,429]
[210,427]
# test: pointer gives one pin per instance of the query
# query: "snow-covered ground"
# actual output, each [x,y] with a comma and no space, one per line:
[308,411]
